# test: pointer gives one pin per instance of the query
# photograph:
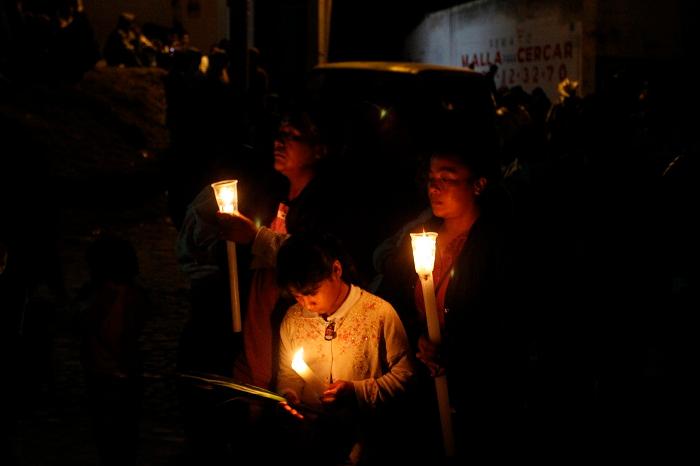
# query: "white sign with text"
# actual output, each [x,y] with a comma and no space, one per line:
[530,53]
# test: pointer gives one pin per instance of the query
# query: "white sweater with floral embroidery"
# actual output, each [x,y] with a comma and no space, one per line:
[370,349]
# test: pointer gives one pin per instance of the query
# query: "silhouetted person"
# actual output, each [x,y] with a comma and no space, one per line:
[491,77]
[73,49]
[205,123]
[13,294]
[256,101]
[115,307]
[122,46]
[564,121]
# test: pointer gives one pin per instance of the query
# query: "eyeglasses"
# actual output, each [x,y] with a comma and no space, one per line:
[442,182]
[286,136]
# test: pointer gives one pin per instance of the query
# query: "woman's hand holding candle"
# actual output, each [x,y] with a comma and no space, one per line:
[237,227]
[429,354]
[340,392]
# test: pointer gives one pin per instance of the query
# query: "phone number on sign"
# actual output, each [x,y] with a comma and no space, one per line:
[533,74]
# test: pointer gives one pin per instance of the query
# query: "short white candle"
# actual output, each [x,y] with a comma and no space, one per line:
[226,193]
[313,383]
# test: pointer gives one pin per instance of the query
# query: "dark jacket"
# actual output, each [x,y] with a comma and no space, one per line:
[484,347]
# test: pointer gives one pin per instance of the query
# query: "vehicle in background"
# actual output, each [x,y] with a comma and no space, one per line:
[380,119]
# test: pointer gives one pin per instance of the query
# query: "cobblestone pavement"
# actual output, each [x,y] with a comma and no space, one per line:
[100,145]
[54,428]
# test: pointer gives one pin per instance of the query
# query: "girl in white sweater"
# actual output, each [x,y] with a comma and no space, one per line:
[353,341]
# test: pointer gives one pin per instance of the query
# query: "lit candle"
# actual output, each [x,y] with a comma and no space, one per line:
[424,252]
[424,259]
[423,245]
[226,193]
[314,384]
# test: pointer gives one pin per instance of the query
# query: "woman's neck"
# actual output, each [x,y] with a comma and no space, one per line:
[455,226]
[298,182]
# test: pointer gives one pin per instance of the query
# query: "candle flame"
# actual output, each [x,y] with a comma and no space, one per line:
[226,193]
[227,196]
[312,383]
[423,245]
[298,363]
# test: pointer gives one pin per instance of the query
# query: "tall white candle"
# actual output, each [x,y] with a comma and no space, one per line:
[226,193]
[424,245]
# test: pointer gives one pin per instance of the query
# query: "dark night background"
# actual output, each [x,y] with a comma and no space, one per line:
[83,156]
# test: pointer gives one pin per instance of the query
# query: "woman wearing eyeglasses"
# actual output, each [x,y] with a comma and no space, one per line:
[474,285]
[289,199]
[298,155]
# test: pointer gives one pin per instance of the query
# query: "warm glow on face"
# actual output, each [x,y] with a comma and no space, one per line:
[424,251]
[226,193]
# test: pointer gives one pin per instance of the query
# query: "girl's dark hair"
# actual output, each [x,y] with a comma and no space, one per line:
[306,259]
